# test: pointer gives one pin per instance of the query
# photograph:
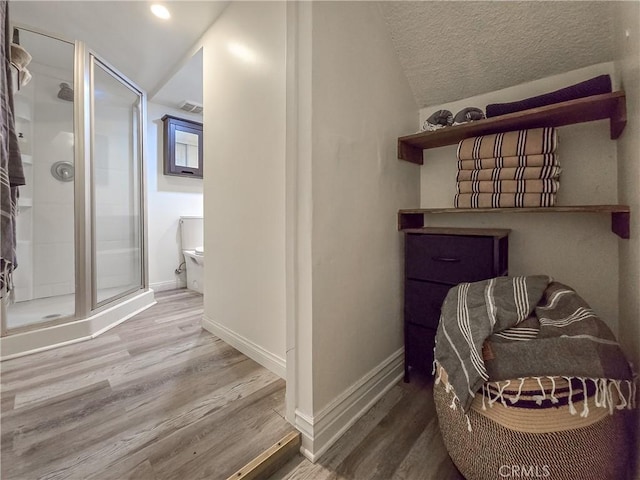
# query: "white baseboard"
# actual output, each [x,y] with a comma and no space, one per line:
[252,350]
[167,285]
[321,431]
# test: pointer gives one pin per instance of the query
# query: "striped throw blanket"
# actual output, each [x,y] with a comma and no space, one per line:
[520,142]
[548,159]
[509,186]
[533,327]
[508,170]
[519,173]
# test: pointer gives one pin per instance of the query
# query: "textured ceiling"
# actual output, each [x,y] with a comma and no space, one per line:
[448,50]
[455,50]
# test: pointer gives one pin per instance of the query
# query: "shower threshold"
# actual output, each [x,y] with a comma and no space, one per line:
[48,335]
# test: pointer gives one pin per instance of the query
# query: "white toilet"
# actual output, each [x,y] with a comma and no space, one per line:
[192,236]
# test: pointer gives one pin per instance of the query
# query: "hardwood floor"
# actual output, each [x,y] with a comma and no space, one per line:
[154,398]
[159,398]
[398,439]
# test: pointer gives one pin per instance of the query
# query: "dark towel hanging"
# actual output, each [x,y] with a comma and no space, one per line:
[11,172]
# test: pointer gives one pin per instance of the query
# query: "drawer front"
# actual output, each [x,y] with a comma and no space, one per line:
[448,258]
[423,301]
[419,343]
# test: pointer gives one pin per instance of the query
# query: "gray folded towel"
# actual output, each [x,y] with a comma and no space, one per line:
[439,119]
[19,56]
[469,114]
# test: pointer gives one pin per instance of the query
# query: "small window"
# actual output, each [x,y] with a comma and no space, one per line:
[182,147]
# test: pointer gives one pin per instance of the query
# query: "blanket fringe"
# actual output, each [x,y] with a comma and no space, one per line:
[517,397]
[553,398]
[539,398]
[6,281]
[585,409]
[484,407]
[439,377]
[603,397]
[572,409]
[609,393]
[435,362]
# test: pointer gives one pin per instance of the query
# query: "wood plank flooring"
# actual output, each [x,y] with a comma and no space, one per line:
[159,398]
[397,439]
[154,398]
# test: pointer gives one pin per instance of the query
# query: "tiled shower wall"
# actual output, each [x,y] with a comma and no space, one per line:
[53,200]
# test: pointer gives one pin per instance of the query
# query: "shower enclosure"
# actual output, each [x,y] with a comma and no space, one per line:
[81,226]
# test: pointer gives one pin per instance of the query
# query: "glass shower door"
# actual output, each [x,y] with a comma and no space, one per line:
[44,281]
[116,168]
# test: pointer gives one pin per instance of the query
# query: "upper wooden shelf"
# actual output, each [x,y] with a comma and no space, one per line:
[472,232]
[587,109]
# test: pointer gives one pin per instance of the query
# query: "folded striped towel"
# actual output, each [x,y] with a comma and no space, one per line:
[519,173]
[547,159]
[504,200]
[520,142]
[509,186]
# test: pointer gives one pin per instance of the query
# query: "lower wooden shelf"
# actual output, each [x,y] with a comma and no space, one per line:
[620,214]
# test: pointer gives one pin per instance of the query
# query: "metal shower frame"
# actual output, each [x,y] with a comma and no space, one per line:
[86,303]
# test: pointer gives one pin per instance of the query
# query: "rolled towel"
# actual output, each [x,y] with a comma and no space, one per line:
[19,56]
[469,114]
[508,144]
[594,86]
[520,173]
[25,77]
[509,162]
[504,200]
[509,186]
[439,119]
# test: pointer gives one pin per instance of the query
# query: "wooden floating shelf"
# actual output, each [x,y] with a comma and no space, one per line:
[412,219]
[610,106]
[472,232]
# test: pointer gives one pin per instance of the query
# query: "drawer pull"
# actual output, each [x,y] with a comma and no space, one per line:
[445,259]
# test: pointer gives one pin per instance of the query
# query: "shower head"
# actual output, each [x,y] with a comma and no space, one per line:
[66,92]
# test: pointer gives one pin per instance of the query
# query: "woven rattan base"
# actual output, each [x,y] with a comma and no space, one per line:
[599,451]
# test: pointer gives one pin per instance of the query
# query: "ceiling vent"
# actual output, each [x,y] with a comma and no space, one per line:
[191,107]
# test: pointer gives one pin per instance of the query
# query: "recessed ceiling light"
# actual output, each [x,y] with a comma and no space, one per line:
[160,11]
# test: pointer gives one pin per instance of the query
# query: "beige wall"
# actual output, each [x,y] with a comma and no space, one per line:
[628,65]
[244,184]
[576,249]
[301,191]
[360,103]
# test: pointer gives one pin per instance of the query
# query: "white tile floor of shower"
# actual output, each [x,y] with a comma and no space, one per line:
[40,310]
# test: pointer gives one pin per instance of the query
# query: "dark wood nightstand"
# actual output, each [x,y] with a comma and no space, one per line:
[437,259]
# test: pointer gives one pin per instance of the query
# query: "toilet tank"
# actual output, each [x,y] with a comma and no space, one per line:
[191,232]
